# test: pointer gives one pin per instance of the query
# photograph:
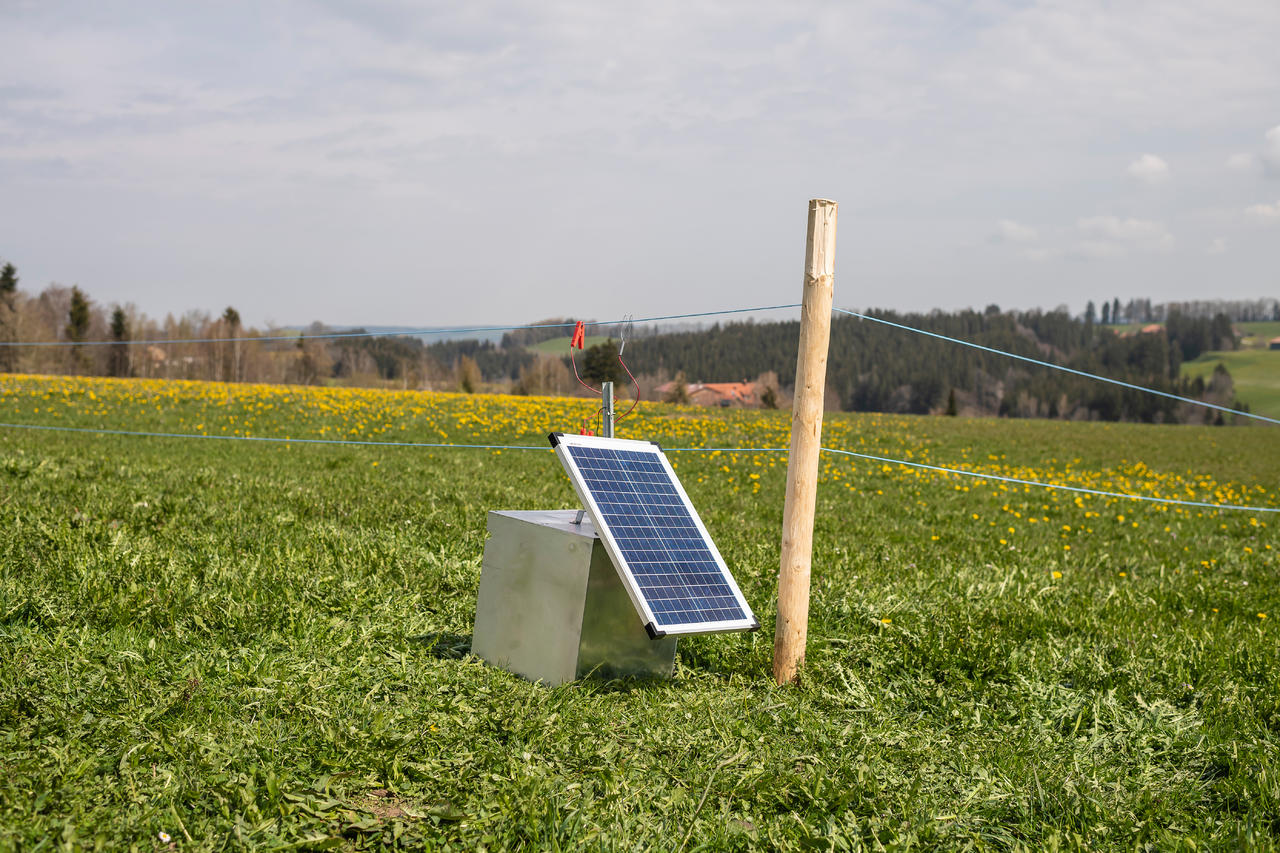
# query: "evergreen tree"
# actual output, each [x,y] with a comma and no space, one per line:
[1115,311]
[119,359]
[1106,313]
[8,281]
[8,317]
[231,369]
[952,409]
[78,316]
[600,363]
[78,325]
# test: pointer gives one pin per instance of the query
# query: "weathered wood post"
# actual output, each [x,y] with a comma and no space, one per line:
[806,442]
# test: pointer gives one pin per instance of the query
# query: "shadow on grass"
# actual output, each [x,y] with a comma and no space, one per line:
[602,680]
[444,645]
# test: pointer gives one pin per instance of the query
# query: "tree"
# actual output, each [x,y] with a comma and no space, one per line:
[1106,313]
[679,392]
[78,316]
[469,377]
[543,375]
[118,361]
[766,389]
[600,363]
[231,318]
[1115,311]
[952,409]
[8,281]
[8,316]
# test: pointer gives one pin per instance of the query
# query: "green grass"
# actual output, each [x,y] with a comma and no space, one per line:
[247,645]
[559,347]
[1259,334]
[1256,334]
[1255,372]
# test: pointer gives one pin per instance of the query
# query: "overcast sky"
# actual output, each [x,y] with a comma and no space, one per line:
[477,162]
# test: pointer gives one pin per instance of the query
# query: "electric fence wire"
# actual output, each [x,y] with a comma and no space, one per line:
[695,315]
[400,333]
[520,447]
[1037,361]
[1022,482]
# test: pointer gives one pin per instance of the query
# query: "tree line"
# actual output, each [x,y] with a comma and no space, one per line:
[1143,311]
[871,367]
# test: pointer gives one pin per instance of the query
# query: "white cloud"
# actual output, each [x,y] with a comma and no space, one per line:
[1150,169]
[1265,212]
[1271,151]
[1267,159]
[1108,236]
[1242,162]
[1008,231]
[1218,246]
[1041,255]
[334,139]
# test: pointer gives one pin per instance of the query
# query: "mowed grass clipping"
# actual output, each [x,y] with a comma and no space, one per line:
[242,645]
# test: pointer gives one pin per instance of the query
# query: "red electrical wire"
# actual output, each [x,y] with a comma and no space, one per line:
[636,401]
[579,341]
[579,378]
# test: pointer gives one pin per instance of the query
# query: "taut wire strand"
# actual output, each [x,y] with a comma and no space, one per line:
[1037,361]
[404,333]
[1019,481]
[871,457]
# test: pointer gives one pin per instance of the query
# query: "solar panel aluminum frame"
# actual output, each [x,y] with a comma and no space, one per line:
[560,441]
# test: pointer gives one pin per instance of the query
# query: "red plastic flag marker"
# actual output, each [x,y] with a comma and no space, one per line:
[579,337]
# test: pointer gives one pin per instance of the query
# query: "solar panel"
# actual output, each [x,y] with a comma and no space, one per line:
[676,578]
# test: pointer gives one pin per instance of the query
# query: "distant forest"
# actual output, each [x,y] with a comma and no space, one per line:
[872,367]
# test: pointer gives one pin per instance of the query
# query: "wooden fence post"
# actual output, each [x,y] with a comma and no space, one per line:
[806,442]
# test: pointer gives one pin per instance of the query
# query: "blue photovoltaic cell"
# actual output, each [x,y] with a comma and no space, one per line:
[668,556]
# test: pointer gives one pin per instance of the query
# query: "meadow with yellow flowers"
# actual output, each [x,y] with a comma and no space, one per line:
[213,643]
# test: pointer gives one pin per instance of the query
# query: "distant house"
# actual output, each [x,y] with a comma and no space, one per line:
[723,394]
[1274,344]
[1149,329]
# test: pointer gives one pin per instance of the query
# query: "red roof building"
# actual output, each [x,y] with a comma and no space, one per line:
[725,394]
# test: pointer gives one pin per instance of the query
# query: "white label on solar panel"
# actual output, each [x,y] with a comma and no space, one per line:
[672,570]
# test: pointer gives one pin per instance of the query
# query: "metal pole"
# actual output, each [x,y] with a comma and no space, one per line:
[607,429]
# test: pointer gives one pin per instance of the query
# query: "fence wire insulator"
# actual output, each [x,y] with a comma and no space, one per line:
[624,332]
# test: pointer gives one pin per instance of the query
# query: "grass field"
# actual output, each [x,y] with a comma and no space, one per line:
[243,644]
[1255,372]
[559,347]
[1255,335]
[1259,334]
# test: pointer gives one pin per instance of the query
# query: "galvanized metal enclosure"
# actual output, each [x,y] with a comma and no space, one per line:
[552,607]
